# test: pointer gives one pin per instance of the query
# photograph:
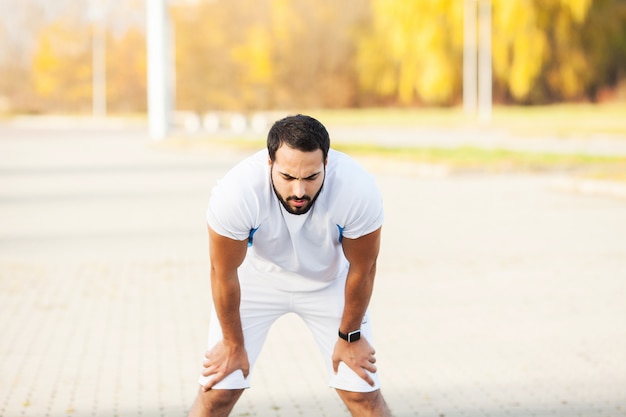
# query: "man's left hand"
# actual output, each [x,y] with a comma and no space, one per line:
[359,356]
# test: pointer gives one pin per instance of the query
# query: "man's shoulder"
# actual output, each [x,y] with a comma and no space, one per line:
[249,169]
[257,160]
[344,169]
[240,198]
[245,183]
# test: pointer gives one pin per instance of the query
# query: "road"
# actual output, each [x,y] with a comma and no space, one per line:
[497,295]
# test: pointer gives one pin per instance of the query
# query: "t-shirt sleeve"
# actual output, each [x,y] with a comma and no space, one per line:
[367,218]
[230,211]
[365,213]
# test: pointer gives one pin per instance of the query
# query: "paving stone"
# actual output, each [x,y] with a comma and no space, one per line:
[497,295]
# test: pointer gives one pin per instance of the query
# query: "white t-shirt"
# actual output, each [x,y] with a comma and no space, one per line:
[288,251]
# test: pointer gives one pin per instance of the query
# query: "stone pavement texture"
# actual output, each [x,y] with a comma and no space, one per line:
[497,295]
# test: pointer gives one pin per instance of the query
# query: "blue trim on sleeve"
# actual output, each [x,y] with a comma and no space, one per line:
[340,233]
[250,236]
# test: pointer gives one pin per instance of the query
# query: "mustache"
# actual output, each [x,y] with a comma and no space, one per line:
[293,197]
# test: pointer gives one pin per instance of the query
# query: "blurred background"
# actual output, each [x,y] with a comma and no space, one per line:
[496,131]
[248,55]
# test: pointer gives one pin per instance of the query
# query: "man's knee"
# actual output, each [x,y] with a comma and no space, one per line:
[359,397]
[221,397]
[365,403]
[215,402]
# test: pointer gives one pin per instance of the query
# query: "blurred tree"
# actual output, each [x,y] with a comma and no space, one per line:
[315,51]
[603,40]
[250,53]
[553,50]
[520,47]
[261,54]
[61,70]
[543,50]
[567,69]
[280,53]
[16,20]
[23,49]
[256,67]
[12,72]
[413,50]
[203,63]
[126,72]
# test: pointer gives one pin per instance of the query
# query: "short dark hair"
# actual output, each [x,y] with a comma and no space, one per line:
[299,132]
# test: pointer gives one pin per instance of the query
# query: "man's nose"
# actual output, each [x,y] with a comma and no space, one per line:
[299,188]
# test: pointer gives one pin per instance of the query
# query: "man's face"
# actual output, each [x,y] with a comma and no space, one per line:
[297,178]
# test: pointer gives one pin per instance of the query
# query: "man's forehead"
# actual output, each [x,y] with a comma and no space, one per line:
[286,156]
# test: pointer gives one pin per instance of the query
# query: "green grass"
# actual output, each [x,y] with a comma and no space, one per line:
[559,121]
[464,159]
[562,120]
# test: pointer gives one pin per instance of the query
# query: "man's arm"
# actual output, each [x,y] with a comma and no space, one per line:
[228,355]
[361,253]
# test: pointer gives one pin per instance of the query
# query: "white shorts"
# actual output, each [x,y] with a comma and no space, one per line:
[321,310]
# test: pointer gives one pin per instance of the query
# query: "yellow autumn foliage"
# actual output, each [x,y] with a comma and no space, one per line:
[255,55]
[61,68]
[248,54]
[578,8]
[416,39]
[518,46]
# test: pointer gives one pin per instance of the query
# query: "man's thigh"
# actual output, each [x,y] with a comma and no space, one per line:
[322,312]
[260,306]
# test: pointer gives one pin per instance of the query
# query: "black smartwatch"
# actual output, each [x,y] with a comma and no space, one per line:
[351,337]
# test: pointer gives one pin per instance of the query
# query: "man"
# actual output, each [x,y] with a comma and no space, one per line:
[294,228]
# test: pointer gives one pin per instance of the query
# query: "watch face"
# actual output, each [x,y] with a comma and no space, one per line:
[354,336]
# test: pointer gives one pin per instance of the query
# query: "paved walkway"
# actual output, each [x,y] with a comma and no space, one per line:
[496,296]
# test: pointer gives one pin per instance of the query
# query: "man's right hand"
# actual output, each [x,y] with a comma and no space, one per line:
[222,360]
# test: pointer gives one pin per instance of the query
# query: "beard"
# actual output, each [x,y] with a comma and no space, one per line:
[298,210]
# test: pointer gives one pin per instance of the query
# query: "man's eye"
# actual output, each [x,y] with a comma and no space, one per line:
[290,178]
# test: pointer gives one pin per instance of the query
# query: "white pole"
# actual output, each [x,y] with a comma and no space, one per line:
[158,77]
[485,77]
[469,57]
